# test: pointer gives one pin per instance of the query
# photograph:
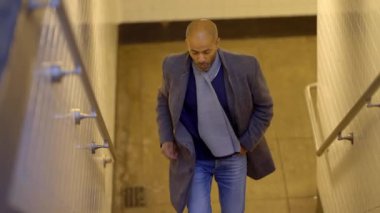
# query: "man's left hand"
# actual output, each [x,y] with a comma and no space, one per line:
[243,151]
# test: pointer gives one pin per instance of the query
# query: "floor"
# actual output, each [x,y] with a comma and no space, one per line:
[141,174]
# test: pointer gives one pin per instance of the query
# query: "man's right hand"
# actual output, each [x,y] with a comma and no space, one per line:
[169,150]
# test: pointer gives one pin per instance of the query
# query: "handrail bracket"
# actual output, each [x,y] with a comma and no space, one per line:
[349,137]
[371,105]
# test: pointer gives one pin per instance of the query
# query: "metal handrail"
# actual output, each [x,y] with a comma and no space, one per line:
[78,61]
[313,118]
[364,99]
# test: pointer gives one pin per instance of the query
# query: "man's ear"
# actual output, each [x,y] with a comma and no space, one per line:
[187,43]
[218,42]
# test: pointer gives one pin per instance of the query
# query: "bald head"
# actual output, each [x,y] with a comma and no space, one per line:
[202,26]
[202,43]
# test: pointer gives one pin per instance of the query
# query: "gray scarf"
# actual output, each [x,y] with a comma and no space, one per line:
[213,124]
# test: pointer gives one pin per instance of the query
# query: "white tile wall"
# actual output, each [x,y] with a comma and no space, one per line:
[55,171]
[348,60]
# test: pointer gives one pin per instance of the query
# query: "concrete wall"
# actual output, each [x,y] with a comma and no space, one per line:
[46,165]
[348,60]
[170,10]
[289,64]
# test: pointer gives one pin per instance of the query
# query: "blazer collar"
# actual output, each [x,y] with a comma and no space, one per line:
[222,56]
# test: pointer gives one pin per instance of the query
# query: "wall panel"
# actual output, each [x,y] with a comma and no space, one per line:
[53,169]
[348,60]
[170,10]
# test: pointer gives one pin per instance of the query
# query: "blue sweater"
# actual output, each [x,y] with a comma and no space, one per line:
[189,116]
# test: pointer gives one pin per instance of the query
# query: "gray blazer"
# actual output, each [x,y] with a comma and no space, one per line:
[250,106]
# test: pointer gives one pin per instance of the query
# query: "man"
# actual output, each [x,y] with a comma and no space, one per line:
[213,109]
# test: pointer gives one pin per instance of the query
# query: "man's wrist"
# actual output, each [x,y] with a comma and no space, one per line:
[162,143]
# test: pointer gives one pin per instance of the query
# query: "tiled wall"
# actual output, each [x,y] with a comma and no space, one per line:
[348,60]
[54,170]
[170,10]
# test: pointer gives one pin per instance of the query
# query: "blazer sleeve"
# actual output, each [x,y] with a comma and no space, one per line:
[164,121]
[262,109]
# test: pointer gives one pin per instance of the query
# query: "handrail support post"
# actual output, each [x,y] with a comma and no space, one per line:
[371,105]
[349,137]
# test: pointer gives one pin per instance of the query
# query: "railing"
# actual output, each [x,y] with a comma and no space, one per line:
[81,70]
[74,48]
[336,133]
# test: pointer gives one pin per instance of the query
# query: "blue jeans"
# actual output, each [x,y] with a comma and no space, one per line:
[230,175]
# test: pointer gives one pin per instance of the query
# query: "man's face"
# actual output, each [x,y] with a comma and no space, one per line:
[202,48]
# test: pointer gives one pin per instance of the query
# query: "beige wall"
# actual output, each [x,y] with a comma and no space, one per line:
[348,60]
[289,64]
[174,10]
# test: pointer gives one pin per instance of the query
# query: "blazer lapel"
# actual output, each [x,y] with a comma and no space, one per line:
[179,90]
[229,82]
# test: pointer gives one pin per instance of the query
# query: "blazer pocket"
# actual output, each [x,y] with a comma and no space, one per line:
[259,161]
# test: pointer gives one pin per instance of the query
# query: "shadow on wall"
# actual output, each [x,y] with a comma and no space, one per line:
[258,27]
